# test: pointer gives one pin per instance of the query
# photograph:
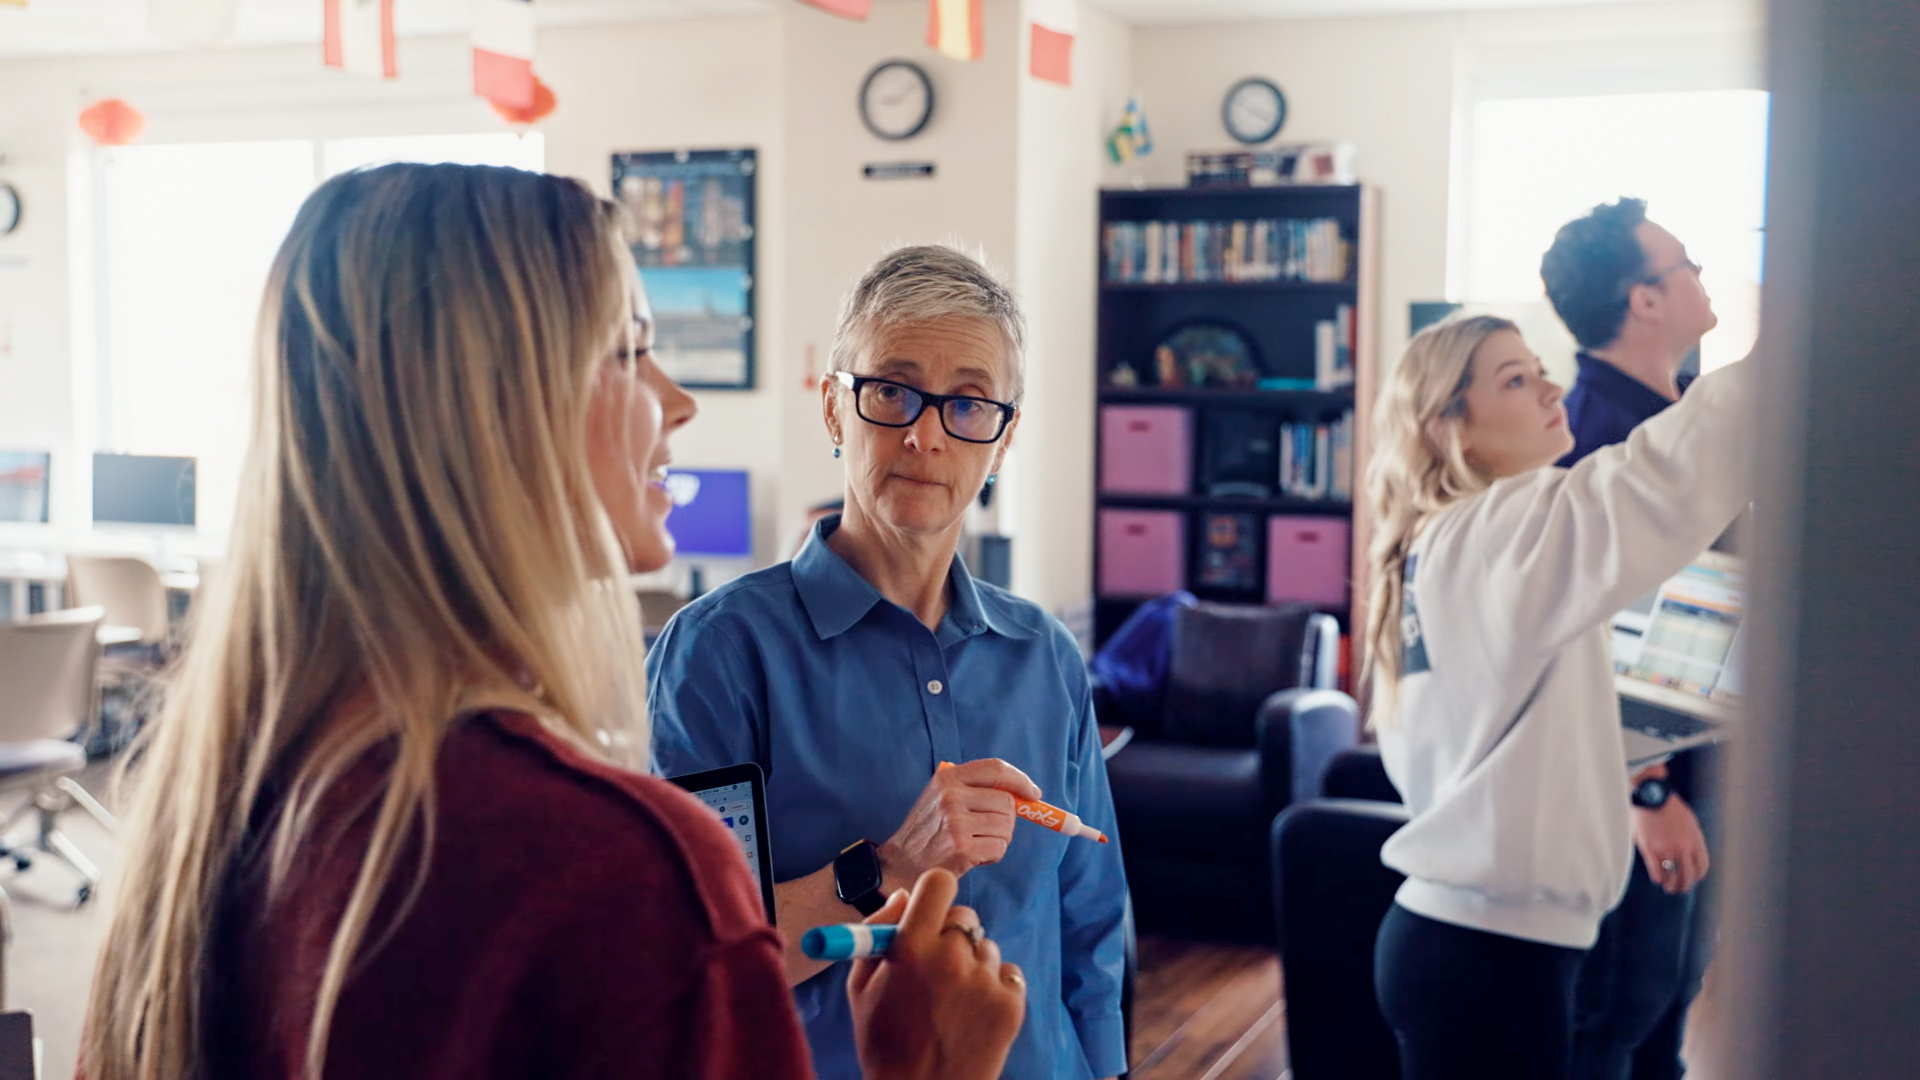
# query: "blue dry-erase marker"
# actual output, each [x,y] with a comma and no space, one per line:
[850,941]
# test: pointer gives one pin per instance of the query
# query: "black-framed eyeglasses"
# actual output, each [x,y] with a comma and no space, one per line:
[1684,264]
[897,405]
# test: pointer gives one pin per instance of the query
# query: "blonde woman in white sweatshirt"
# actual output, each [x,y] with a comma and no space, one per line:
[1494,577]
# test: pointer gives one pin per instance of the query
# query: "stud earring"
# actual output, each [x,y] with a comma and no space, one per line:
[992,479]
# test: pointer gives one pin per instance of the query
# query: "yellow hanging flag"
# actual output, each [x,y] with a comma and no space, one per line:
[13,3]
[954,28]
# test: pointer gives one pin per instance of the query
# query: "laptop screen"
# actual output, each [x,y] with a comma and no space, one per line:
[1683,643]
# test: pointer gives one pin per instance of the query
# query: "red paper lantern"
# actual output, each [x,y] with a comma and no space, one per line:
[112,122]
[543,105]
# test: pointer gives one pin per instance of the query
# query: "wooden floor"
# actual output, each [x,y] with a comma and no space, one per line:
[1204,1011]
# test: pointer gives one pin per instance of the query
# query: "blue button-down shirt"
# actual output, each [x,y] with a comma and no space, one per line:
[849,703]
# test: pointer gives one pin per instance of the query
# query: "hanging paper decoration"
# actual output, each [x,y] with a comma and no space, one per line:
[503,52]
[1130,138]
[112,122]
[359,38]
[1050,44]
[543,105]
[13,3]
[954,27]
[852,9]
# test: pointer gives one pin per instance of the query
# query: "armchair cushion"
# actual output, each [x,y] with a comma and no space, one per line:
[1227,659]
[1357,773]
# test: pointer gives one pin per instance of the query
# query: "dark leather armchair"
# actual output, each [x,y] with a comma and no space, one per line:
[1243,731]
[1330,892]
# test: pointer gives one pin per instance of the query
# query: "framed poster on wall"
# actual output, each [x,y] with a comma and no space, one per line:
[692,225]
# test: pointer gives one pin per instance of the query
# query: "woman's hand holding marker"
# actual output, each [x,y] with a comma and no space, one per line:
[963,819]
[1049,816]
[941,1006]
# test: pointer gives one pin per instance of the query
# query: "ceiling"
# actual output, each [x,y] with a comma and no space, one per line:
[93,27]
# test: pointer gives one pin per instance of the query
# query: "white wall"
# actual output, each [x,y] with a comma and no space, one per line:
[839,222]
[1391,85]
[1047,487]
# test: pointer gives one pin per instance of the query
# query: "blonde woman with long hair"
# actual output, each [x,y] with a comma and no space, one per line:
[1491,679]
[391,822]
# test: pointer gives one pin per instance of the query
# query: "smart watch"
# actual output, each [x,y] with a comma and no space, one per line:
[856,877]
[1651,793]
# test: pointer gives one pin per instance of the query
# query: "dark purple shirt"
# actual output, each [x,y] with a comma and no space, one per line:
[1606,404]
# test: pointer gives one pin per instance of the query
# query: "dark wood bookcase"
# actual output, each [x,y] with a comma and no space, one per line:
[1278,318]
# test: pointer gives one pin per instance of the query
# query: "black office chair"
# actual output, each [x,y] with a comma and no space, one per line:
[1330,892]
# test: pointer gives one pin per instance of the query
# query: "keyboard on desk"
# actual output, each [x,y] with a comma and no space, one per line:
[1661,723]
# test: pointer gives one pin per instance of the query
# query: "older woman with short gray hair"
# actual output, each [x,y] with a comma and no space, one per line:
[852,673]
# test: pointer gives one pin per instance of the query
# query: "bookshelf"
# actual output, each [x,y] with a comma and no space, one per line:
[1171,460]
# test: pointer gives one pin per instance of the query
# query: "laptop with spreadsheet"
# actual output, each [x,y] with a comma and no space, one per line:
[1678,658]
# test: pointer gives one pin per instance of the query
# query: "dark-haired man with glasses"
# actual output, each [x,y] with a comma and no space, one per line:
[1632,298]
[851,673]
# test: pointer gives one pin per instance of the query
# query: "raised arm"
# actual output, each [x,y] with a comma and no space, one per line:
[1565,549]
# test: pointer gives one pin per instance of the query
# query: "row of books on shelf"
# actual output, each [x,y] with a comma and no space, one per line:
[1333,350]
[1180,252]
[1316,460]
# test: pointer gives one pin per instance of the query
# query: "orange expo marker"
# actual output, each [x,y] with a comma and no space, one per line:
[1052,817]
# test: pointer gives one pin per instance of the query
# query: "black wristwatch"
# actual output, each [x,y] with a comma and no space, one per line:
[856,877]
[1652,793]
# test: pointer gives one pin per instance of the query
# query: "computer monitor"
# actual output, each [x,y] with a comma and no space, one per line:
[712,513]
[1682,648]
[136,489]
[24,486]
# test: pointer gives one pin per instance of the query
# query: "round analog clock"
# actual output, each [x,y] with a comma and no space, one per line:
[9,208]
[896,100]
[1254,110]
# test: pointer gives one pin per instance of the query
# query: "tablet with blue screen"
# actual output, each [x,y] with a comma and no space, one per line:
[737,795]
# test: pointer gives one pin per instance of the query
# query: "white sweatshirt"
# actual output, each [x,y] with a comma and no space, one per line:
[1507,745]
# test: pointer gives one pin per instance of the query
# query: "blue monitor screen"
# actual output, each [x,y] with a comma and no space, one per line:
[132,489]
[712,514]
[23,487]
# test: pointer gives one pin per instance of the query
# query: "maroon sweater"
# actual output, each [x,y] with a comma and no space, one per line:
[576,920]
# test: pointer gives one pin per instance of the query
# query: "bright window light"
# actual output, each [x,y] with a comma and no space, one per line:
[186,236]
[1698,158]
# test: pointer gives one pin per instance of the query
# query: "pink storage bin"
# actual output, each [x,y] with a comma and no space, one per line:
[1142,552]
[1308,560]
[1146,450]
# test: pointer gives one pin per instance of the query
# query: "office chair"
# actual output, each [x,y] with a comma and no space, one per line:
[128,589]
[47,664]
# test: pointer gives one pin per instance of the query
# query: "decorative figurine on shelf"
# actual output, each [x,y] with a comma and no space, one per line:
[1208,355]
[1124,377]
[1168,366]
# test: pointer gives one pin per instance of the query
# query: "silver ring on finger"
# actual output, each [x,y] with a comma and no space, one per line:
[1668,865]
[975,932]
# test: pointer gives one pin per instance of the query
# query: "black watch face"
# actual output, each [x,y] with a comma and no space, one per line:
[1651,794]
[856,872]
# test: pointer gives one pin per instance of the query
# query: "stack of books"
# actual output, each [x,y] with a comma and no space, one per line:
[1176,252]
[1316,460]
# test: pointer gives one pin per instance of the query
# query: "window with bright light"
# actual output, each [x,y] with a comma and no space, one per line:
[186,235]
[1698,158]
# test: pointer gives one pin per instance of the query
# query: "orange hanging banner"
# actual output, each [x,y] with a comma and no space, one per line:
[1052,24]
[956,28]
